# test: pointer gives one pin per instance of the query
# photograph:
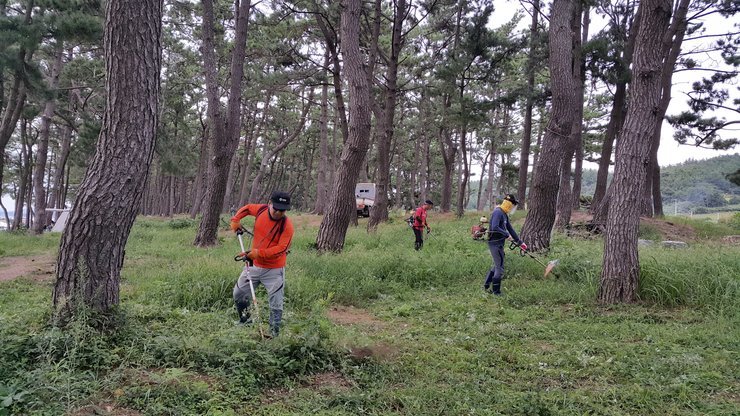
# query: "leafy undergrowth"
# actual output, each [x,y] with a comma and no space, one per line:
[421,337]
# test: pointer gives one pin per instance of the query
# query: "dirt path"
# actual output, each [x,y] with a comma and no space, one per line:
[37,267]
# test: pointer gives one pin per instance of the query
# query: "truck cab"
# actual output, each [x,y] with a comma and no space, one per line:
[364,198]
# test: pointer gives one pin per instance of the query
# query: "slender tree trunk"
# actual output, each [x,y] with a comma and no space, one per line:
[23,167]
[42,149]
[56,201]
[341,208]
[672,41]
[12,108]
[91,252]
[379,212]
[621,269]
[543,196]
[323,168]
[616,118]
[224,132]
[527,134]
[200,175]
[566,197]
[480,203]
[489,199]
[465,174]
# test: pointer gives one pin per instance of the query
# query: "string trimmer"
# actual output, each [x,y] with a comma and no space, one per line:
[548,267]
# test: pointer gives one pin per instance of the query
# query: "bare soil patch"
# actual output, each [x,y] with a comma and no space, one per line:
[379,351]
[104,409]
[349,315]
[38,268]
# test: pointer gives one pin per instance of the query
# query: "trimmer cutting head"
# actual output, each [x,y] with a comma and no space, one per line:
[550,265]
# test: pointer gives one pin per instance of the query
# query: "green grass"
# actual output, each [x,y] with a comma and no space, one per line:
[430,341]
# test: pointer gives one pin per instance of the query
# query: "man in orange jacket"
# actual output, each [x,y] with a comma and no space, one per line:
[273,232]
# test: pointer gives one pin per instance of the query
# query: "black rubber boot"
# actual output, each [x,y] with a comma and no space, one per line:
[276,318]
[487,283]
[242,310]
[496,286]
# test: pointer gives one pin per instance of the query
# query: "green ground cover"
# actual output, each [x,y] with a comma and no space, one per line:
[381,329]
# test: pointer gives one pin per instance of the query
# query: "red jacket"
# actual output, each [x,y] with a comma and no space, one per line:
[270,244]
[420,218]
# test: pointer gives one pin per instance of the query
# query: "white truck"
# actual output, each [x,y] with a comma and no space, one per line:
[364,198]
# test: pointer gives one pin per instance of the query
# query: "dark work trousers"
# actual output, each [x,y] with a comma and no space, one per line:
[497,268]
[419,233]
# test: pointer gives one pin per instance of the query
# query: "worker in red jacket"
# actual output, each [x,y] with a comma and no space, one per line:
[420,222]
[273,232]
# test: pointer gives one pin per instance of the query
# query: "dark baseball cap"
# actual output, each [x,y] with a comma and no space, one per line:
[280,200]
[511,198]
[429,202]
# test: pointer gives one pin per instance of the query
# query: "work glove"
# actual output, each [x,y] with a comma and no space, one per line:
[429,229]
[523,246]
[236,226]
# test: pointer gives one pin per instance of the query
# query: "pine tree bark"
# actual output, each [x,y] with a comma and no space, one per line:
[91,252]
[621,268]
[544,192]
[223,130]
[341,208]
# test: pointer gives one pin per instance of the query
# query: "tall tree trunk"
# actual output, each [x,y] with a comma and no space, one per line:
[465,174]
[200,174]
[341,208]
[39,190]
[543,196]
[565,193]
[616,117]
[17,98]
[331,45]
[323,168]
[224,132]
[527,134]
[621,268]
[24,166]
[91,252]
[488,199]
[379,212]
[56,201]
[480,203]
[673,40]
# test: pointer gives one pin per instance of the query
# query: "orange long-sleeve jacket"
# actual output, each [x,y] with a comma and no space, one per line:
[269,244]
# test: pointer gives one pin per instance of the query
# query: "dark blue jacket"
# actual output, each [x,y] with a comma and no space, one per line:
[500,229]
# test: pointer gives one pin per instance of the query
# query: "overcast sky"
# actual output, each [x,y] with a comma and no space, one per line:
[670,152]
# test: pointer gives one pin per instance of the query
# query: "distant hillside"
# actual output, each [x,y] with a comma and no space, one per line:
[695,185]
[692,184]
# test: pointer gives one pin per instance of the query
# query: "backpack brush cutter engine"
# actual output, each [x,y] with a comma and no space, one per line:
[548,267]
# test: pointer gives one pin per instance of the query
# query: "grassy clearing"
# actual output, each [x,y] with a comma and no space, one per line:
[421,339]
